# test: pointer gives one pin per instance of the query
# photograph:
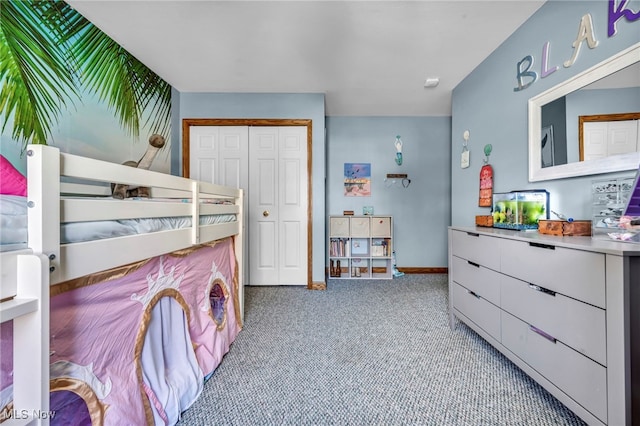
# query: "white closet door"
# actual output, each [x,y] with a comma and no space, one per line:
[219,154]
[293,198]
[605,138]
[622,137]
[278,206]
[263,206]
[595,140]
[270,164]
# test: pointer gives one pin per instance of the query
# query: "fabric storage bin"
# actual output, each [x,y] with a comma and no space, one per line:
[339,226]
[380,226]
[360,226]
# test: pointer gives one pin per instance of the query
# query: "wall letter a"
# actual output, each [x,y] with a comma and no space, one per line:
[585,32]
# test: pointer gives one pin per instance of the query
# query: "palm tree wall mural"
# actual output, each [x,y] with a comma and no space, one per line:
[53,62]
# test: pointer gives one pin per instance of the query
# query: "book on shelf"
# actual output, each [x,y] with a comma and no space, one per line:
[379,248]
[339,247]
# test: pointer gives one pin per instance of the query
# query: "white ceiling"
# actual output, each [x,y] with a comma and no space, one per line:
[369,58]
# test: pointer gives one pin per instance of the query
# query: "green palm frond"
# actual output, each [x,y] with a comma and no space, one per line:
[155,98]
[123,82]
[34,72]
[49,53]
[104,67]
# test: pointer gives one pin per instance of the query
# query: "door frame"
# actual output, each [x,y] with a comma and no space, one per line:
[187,123]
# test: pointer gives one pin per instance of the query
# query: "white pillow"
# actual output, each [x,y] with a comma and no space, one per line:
[14,205]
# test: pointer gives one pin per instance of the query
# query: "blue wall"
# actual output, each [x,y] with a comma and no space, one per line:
[486,104]
[264,105]
[421,211]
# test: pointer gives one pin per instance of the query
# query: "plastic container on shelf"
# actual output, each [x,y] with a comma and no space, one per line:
[610,202]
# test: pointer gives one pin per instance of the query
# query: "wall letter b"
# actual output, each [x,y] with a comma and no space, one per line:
[524,70]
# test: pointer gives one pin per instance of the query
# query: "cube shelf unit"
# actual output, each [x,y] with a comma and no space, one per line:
[360,247]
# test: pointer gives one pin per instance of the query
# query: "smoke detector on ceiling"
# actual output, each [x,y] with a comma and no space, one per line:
[431,82]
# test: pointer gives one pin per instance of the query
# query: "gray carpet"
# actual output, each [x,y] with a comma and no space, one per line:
[368,352]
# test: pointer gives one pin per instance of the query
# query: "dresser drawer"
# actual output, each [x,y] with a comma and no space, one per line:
[360,226]
[477,248]
[577,324]
[576,375]
[574,273]
[482,281]
[477,309]
[381,227]
[339,227]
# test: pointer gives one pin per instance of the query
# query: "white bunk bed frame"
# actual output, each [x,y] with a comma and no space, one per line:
[46,262]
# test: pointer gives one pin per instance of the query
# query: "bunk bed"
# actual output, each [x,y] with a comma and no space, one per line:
[120,325]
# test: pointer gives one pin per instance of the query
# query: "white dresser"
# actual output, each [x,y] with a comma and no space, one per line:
[566,310]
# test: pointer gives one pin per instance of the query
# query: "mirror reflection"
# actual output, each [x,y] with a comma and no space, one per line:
[575,126]
[596,121]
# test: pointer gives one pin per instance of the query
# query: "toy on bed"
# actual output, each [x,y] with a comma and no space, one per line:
[122,191]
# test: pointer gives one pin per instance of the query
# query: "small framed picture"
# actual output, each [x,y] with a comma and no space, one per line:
[359,246]
[367,210]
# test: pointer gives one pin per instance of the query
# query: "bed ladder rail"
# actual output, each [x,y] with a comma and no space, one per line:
[29,311]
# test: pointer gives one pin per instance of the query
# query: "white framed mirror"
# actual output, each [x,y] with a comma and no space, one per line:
[548,159]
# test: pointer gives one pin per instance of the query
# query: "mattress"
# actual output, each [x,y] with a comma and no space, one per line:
[13,224]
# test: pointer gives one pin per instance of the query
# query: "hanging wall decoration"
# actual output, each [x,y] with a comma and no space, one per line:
[486,180]
[398,145]
[464,158]
[357,179]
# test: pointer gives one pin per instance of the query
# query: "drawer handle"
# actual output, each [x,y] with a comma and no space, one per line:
[473,264]
[542,289]
[473,294]
[543,334]
[545,246]
[473,234]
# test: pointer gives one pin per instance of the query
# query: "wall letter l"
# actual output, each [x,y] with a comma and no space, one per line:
[545,59]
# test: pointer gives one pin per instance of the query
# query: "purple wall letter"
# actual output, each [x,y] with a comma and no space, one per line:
[615,13]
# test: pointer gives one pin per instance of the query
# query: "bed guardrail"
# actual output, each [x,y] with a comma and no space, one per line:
[85,201]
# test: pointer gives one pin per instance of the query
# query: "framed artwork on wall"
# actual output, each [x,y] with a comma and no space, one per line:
[357,179]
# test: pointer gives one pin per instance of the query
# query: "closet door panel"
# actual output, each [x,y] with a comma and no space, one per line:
[293,239]
[263,206]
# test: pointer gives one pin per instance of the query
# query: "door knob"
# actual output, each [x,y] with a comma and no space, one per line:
[265,213]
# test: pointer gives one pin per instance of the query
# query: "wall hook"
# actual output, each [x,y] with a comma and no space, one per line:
[399,179]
